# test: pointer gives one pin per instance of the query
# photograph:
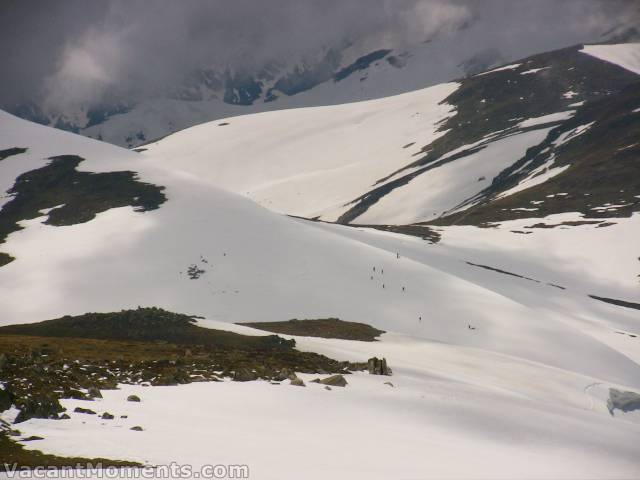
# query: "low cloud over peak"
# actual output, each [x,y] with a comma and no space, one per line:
[76,53]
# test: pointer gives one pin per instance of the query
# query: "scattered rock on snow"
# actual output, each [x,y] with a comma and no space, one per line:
[623,401]
[133,398]
[334,381]
[297,382]
[84,410]
[94,392]
[137,428]
[107,416]
[285,374]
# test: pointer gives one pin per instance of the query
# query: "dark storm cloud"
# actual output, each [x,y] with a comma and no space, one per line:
[76,51]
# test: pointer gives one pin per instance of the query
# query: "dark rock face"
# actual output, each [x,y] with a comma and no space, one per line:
[38,407]
[377,366]
[361,63]
[133,398]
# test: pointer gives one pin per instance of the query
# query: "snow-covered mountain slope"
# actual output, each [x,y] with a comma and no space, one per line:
[308,161]
[492,340]
[257,265]
[494,146]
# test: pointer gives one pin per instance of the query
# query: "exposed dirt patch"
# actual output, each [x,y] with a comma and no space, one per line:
[82,194]
[11,151]
[13,453]
[324,328]
[504,272]
[619,303]
[421,230]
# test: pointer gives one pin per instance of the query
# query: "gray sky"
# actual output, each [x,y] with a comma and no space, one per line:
[75,51]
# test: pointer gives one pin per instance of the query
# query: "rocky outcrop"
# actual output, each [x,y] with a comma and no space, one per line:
[38,407]
[377,366]
[244,375]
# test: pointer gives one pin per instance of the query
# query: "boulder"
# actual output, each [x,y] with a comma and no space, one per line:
[76,394]
[297,382]
[378,366]
[94,392]
[334,381]
[107,416]
[88,411]
[137,428]
[285,374]
[133,398]
[623,401]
